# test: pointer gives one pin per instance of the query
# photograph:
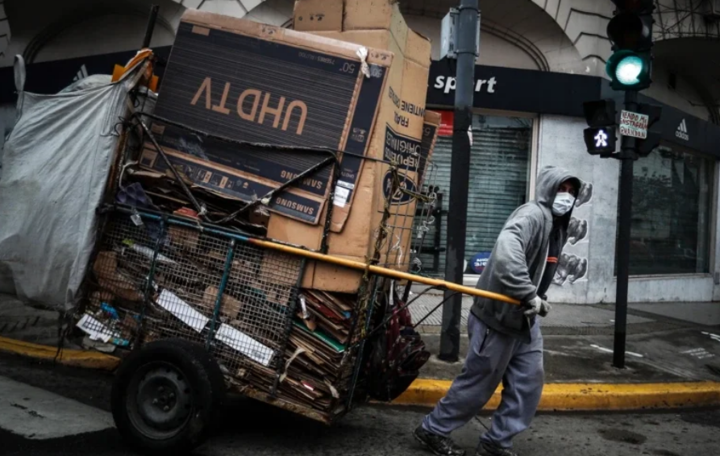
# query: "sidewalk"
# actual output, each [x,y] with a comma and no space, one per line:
[672,353]
[578,342]
[21,322]
[667,346]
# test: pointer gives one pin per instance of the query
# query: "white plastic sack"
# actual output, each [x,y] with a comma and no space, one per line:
[56,163]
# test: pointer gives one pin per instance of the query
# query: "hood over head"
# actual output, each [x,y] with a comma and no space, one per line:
[548,180]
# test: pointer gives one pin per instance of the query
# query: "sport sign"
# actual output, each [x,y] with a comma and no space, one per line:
[634,124]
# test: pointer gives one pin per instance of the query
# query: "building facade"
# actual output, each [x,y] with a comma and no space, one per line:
[539,61]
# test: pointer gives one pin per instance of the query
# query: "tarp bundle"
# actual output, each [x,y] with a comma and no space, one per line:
[56,164]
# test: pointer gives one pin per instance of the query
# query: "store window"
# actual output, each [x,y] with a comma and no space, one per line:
[499,175]
[672,194]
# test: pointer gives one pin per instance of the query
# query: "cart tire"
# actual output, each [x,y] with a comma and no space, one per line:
[167,396]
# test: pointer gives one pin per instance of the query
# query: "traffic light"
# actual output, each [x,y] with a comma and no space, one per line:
[647,145]
[630,33]
[600,138]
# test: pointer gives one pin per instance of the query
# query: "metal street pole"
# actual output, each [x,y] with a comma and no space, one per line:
[467,29]
[629,155]
[150,26]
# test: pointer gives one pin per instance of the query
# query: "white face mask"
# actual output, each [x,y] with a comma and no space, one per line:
[562,204]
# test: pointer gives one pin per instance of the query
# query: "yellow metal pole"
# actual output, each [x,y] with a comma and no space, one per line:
[386,272]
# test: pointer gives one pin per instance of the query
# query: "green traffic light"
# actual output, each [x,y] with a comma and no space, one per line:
[628,70]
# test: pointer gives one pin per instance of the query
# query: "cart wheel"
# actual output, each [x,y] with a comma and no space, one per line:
[166,397]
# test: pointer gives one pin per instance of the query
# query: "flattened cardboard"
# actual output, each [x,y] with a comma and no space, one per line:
[292,203]
[266,163]
[253,82]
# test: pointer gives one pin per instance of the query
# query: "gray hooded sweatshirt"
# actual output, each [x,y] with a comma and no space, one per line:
[519,258]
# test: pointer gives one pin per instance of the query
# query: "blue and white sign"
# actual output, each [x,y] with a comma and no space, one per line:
[479,261]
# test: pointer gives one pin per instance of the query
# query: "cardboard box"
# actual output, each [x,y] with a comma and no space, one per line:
[397,246]
[257,83]
[373,14]
[362,15]
[113,281]
[186,237]
[348,15]
[431,130]
[397,136]
[326,276]
[318,15]
[277,277]
[229,307]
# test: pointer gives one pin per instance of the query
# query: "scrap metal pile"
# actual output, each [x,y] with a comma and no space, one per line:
[307,140]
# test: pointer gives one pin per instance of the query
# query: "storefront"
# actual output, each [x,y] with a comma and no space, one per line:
[674,232]
[509,104]
[672,197]
[523,120]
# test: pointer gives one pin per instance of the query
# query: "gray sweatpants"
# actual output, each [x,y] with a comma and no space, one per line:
[493,357]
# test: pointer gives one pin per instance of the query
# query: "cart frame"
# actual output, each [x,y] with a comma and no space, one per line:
[245,317]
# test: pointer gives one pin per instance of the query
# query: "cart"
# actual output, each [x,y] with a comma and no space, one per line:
[186,287]
[197,305]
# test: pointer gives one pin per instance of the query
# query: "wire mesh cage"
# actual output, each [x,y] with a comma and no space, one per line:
[155,277]
[409,199]
[407,213]
[163,271]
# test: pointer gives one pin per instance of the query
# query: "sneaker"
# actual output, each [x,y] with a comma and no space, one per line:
[488,449]
[439,445]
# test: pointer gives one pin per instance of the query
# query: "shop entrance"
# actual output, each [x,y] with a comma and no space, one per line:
[499,177]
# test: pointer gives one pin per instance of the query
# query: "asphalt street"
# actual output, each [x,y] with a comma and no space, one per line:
[71,396]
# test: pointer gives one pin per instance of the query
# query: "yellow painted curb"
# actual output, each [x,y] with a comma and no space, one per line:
[426,392]
[587,396]
[76,358]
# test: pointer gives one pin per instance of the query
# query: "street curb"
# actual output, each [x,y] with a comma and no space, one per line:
[76,358]
[587,396]
[427,392]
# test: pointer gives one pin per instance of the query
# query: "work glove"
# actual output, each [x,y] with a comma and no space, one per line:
[537,306]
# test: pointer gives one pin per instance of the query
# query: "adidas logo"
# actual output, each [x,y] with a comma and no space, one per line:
[81,74]
[682,131]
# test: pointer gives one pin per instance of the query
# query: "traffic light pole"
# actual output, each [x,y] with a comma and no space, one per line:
[630,70]
[627,158]
[459,176]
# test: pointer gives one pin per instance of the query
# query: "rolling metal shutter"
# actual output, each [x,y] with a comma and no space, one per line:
[499,174]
